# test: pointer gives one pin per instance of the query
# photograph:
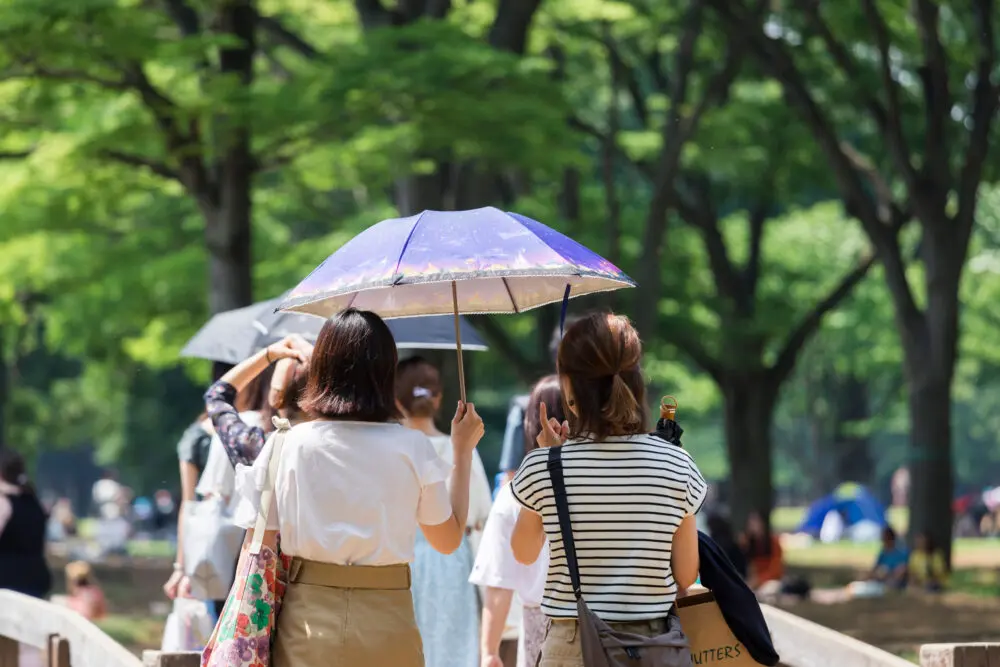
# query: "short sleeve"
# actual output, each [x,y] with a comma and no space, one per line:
[192,446]
[495,565]
[697,489]
[434,506]
[531,483]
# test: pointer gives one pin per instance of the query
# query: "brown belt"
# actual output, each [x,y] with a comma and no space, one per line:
[369,577]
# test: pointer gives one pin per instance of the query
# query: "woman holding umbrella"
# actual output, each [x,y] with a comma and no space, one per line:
[352,487]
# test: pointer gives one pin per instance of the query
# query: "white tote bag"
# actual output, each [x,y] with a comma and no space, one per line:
[188,627]
[211,546]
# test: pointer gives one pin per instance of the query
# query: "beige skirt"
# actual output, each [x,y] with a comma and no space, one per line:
[347,616]
[561,646]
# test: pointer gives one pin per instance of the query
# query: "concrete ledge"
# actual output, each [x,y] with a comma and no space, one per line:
[959,655]
[802,643]
[31,621]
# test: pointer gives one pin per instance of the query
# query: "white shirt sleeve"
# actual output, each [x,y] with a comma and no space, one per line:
[495,564]
[434,506]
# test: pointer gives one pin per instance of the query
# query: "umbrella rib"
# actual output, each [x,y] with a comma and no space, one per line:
[511,295]
[406,244]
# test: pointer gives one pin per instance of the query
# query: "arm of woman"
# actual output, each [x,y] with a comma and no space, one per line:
[242,441]
[528,537]
[496,608]
[189,480]
[445,537]
[684,553]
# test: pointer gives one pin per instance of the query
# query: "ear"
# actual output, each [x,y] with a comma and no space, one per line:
[436,401]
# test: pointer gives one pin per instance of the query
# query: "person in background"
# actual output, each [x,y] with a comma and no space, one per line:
[763,553]
[632,497]
[84,596]
[721,530]
[206,471]
[444,602]
[927,567]
[891,566]
[498,570]
[513,451]
[22,530]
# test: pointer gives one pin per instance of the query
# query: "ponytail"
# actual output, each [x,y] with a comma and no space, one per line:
[622,410]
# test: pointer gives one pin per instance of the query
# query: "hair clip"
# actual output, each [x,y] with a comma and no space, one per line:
[422,392]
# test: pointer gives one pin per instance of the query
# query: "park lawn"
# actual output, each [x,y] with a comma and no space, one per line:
[135,632]
[972,553]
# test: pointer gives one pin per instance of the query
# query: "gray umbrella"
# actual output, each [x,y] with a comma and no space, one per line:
[234,335]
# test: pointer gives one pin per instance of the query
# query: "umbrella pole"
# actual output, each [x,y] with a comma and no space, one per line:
[458,341]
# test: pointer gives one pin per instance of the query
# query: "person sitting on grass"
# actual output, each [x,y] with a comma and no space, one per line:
[927,568]
[891,564]
[84,595]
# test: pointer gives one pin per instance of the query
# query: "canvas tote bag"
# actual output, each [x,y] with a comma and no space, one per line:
[603,645]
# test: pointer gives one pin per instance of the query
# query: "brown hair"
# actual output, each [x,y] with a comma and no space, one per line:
[254,395]
[599,357]
[352,372]
[418,383]
[288,398]
[547,391]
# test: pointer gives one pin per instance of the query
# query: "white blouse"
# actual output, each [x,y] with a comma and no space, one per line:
[495,564]
[350,493]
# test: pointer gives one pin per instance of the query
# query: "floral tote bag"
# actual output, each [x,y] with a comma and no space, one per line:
[245,631]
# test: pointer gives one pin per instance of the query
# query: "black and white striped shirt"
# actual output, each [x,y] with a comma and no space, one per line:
[627,496]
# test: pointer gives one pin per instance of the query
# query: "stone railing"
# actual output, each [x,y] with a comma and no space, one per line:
[35,632]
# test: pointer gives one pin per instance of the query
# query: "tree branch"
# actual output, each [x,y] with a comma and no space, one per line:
[16,155]
[984,109]
[799,336]
[631,81]
[63,74]
[184,145]
[774,56]
[281,34]
[155,166]
[692,346]
[889,122]
[938,100]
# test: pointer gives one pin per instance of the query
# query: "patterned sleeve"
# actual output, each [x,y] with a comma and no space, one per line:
[242,441]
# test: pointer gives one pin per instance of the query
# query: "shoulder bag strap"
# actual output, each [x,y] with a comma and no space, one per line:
[562,509]
[267,495]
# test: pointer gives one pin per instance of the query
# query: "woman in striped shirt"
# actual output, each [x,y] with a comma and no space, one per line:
[632,496]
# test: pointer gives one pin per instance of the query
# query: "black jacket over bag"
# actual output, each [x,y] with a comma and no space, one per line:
[738,604]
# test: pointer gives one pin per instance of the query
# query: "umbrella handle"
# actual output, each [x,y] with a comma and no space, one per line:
[668,408]
[458,341]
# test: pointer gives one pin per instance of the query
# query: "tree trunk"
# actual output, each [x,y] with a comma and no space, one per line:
[749,400]
[930,347]
[230,261]
[851,450]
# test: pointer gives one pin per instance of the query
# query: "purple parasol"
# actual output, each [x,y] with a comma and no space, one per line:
[480,261]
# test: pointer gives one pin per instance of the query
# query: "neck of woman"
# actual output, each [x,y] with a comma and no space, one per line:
[423,424]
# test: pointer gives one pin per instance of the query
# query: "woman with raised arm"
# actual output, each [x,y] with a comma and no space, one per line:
[352,487]
[445,602]
[498,570]
[631,496]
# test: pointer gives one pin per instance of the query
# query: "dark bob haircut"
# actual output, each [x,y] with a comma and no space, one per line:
[352,373]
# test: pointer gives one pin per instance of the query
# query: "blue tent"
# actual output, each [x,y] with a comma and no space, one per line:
[855,504]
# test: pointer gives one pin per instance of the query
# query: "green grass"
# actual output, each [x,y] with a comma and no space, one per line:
[133,631]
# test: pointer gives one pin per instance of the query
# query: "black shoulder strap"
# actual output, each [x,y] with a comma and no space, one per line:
[562,509]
